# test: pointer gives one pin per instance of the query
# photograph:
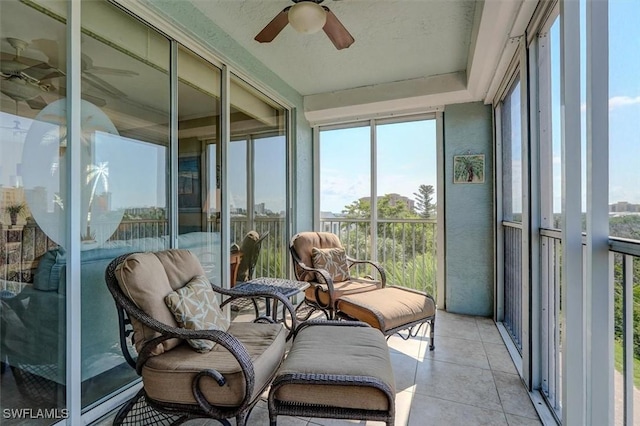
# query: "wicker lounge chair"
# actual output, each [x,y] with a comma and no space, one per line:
[330,278]
[179,383]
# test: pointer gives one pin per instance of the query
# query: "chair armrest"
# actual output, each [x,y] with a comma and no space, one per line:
[383,275]
[325,275]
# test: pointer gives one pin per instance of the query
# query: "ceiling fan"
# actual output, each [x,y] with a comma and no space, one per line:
[307,16]
[24,82]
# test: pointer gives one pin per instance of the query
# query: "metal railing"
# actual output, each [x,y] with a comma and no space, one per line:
[625,259]
[406,248]
[513,281]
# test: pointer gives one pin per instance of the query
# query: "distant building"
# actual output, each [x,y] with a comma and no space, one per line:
[327,224]
[624,207]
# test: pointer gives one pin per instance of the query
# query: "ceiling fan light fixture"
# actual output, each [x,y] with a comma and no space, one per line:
[307,17]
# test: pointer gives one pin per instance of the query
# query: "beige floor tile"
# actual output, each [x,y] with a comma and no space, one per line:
[403,407]
[340,422]
[404,370]
[458,328]
[459,351]
[459,383]
[427,410]
[499,358]
[514,420]
[409,347]
[488,331]
[513,395]
[260,417]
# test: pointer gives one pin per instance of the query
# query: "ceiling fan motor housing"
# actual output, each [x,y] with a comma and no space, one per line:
[307,17]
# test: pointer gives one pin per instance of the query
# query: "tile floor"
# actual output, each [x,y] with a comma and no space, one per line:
[468,380]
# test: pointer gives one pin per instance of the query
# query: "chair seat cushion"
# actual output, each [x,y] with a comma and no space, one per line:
[350,352]
[342,288]
[168,377]
[388,308]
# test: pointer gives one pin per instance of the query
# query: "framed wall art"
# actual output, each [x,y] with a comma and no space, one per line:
[468,168]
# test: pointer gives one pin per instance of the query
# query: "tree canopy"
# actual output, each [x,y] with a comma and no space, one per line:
[424,201]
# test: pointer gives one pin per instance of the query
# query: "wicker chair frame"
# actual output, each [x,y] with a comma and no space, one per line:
[142,409]
[302,271]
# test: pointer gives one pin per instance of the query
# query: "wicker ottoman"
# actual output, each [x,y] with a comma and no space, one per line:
[338,370]
[391,309]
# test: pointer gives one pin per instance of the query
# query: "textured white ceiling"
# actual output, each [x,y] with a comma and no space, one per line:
[395,40]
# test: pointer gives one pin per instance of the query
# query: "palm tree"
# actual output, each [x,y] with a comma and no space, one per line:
[96,173]
[14,210]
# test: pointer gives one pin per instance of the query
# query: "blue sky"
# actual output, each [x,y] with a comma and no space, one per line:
[406,160]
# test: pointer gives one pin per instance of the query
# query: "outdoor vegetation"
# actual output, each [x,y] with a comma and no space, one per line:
[627,226]
[406,237]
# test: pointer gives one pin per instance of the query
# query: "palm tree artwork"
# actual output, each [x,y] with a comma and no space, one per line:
[96,173]
[468,168]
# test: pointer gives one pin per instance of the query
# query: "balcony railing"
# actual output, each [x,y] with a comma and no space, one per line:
[625,258]
[406,248]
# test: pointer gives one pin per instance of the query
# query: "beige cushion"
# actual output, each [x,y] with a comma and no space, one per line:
[356,285]
[168,377]
[352,351]
[146,278]
[395,305]
[304,242]
[195,307]
[333,260]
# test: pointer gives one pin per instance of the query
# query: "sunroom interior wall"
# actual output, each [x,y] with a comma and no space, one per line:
[198,27]
[469,252]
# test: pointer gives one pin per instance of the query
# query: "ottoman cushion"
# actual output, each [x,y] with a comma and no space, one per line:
[339,351]
[388,308]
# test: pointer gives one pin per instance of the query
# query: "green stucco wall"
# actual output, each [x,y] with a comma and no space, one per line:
[469,207]
[192,22]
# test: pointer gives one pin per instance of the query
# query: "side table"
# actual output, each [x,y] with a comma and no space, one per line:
[288,288]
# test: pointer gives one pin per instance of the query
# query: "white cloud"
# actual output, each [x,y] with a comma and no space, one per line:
[622,101]
[616,102]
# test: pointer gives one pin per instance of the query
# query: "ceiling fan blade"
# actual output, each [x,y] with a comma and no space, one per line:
[36,103]
[273,28]
[99,102]
[336,32]
[102,85]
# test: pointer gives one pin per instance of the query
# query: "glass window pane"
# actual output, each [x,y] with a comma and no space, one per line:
[124,155]
[198,160]
[238,189]
[624,119]
[32,226]
[258,175]
[345,187]
[511,155]
[556,135]
[406,183]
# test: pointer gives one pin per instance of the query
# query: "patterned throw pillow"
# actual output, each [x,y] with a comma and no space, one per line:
[195,307]
[333,260]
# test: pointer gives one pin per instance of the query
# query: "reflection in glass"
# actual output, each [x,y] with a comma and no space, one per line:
[199,160]
[32,290]
[258,157]
[123,174]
